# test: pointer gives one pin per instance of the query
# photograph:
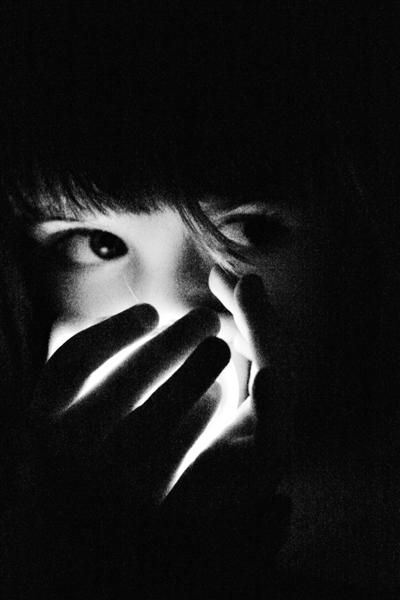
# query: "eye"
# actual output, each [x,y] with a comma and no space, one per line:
[258,231]
[88,247]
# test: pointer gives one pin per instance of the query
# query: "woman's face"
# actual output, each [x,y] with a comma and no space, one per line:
[102,264]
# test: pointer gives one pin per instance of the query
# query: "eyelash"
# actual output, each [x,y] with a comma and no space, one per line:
[261,232]
[59,251]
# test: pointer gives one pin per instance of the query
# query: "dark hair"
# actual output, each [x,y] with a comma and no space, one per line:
[168,105]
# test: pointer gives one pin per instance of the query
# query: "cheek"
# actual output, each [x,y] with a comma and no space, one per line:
[292,279]
[191,274]
[93,295]
[81,302]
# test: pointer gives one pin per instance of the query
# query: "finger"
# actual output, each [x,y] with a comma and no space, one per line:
[95,344]
[152,464]
[222,286]
[132,382]
[274,405]
[264,397]
[272,427]
[264,330]
[163,430]
[145,371]
[159,418]
[243,347]
[273,390]
[84,353]
[183,447]
[170,403]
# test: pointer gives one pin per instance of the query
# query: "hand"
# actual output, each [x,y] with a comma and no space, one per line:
[256,463]
[225,519]
[140,421]
[101,457]
[263,340]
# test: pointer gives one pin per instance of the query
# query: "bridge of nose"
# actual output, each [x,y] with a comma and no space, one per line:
[173,277]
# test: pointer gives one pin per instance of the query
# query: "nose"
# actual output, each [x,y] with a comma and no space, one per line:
[174,280]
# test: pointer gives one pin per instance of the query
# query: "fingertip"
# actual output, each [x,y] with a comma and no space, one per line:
[147,315]
[215,273]
[208,318]
[218,349]
[222,286]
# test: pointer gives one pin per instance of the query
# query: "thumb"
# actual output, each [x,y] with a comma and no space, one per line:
[274,424]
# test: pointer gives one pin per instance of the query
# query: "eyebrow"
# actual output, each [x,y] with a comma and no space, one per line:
[42,210]
[62,208]
[41,230]
[217,209]
[272,195]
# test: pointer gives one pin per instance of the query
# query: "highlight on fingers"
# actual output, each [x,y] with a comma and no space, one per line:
[85,361]
[163,354]
[126,326]
[222,286]
[136,371]
[190,381]
[224,416]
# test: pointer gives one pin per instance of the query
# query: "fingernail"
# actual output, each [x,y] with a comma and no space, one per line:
[206,316]
[147,315]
